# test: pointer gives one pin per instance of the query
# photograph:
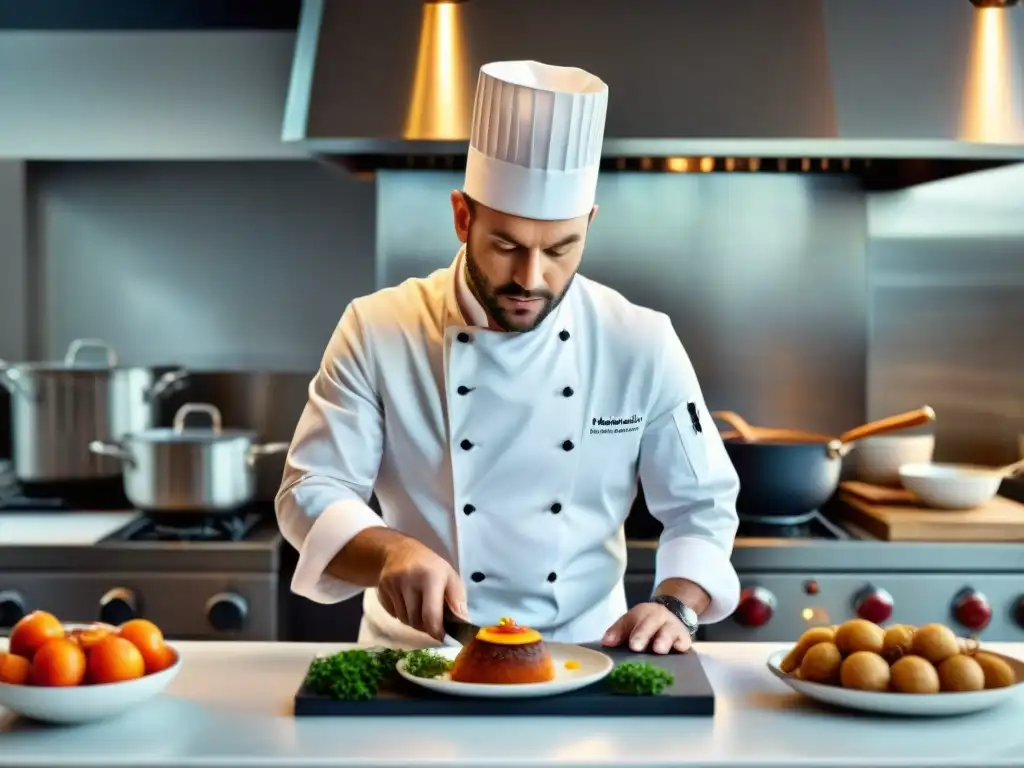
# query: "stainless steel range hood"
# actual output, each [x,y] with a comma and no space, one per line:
[740,78]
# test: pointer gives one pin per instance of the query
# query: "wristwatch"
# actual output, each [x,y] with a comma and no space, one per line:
[680,610]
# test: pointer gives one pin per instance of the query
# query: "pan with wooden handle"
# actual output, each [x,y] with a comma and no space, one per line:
[788,474]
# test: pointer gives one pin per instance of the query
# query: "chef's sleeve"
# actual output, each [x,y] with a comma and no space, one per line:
[333,463]
[689,482]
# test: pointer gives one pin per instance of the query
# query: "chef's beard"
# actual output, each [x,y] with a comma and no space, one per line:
[488,295]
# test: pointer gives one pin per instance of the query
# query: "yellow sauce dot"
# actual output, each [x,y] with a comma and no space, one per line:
[572,665]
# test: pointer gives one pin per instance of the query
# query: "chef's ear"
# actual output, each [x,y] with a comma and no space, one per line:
[462,213]
[593,213]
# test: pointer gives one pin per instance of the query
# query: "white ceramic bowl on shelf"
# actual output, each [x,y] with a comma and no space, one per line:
[877,460]
[951,486]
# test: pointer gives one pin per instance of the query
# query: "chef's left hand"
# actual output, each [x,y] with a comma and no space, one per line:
[649,626]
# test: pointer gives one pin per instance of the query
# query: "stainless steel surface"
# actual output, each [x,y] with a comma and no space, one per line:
[189,469]
[177,603]
[763,277]
[57,407]
[946,282]
[832,77]
[810,580]
[191,589]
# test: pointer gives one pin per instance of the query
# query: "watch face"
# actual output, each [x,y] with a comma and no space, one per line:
[689,617]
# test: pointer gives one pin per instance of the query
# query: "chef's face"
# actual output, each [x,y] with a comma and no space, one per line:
[519,269]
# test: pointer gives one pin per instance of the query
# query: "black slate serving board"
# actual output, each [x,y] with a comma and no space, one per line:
[690,694]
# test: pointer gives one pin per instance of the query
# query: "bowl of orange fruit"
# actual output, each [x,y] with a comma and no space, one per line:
[79,673]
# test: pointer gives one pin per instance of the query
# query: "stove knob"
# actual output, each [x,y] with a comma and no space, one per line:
[873,604]
[1019,612]
[972,609]
[227,612]
[118,606]
[12,608]
[756,607]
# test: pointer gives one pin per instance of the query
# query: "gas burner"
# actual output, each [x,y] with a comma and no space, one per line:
[106,494]
[188,528]
[813,526]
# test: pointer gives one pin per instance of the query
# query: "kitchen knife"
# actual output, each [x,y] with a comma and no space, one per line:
[457,629]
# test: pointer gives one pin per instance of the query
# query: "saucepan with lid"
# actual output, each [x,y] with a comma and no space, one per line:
[787,475]
[189,469]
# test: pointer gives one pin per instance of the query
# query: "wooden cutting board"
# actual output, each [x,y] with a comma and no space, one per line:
[893,514]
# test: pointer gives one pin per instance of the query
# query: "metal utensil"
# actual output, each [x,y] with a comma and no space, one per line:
[189,469]
[459,630]
[58,407]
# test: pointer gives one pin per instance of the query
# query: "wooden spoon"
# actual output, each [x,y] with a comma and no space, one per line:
[747,433]
[842,445]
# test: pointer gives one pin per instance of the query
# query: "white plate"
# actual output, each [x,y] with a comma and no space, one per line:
[85,703]
[593,666]
[903,703]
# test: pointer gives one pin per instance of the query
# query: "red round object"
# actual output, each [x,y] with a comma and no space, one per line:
[756,607]
[973,610]
[874,605]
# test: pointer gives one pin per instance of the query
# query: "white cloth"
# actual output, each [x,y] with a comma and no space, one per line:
[385,413]
[535,142]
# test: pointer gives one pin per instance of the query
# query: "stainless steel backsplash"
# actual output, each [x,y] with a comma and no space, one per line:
[946,268]
[762,275]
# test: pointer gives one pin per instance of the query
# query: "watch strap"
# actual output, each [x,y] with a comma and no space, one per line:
[686,615]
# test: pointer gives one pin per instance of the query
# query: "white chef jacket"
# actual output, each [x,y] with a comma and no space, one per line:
[514,456]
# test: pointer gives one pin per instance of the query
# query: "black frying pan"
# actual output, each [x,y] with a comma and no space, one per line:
[786,475]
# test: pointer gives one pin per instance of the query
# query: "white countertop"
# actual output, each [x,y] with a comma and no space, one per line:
[231,706]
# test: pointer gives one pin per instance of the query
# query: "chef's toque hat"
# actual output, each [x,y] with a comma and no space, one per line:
[535,145]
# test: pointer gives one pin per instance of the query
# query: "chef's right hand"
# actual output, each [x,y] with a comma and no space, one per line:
[414,585]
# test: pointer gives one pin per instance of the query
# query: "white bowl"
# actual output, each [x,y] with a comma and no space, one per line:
[85,703]
[877,460]
[925,704]
[950,486]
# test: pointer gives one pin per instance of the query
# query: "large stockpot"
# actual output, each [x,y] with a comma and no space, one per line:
[788,475]
[58,407]
[189,469]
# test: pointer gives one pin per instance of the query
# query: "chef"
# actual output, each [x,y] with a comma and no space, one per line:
[503,410]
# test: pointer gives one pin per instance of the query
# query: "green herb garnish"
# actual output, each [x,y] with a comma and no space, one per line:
[639,678]
[426,664]
[357,675]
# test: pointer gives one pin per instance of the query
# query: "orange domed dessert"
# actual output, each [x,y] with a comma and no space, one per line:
[505,654]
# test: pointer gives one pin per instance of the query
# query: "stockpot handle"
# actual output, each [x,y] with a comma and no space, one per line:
[189,408]
[258,451]
[11,381]
[76,346]
[113,450]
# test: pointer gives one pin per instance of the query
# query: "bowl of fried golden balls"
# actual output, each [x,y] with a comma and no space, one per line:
[899,669]
[79,673]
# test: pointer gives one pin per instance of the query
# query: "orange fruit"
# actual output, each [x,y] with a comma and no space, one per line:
[32,631]
[89,636]
[14,669]
[59,663]
[163,658]
[114,660]
[147,637]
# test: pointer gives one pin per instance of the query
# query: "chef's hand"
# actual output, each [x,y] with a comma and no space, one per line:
[414,585]
[649,625]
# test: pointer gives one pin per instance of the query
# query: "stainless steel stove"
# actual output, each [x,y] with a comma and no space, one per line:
[825,571]
[211,577]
